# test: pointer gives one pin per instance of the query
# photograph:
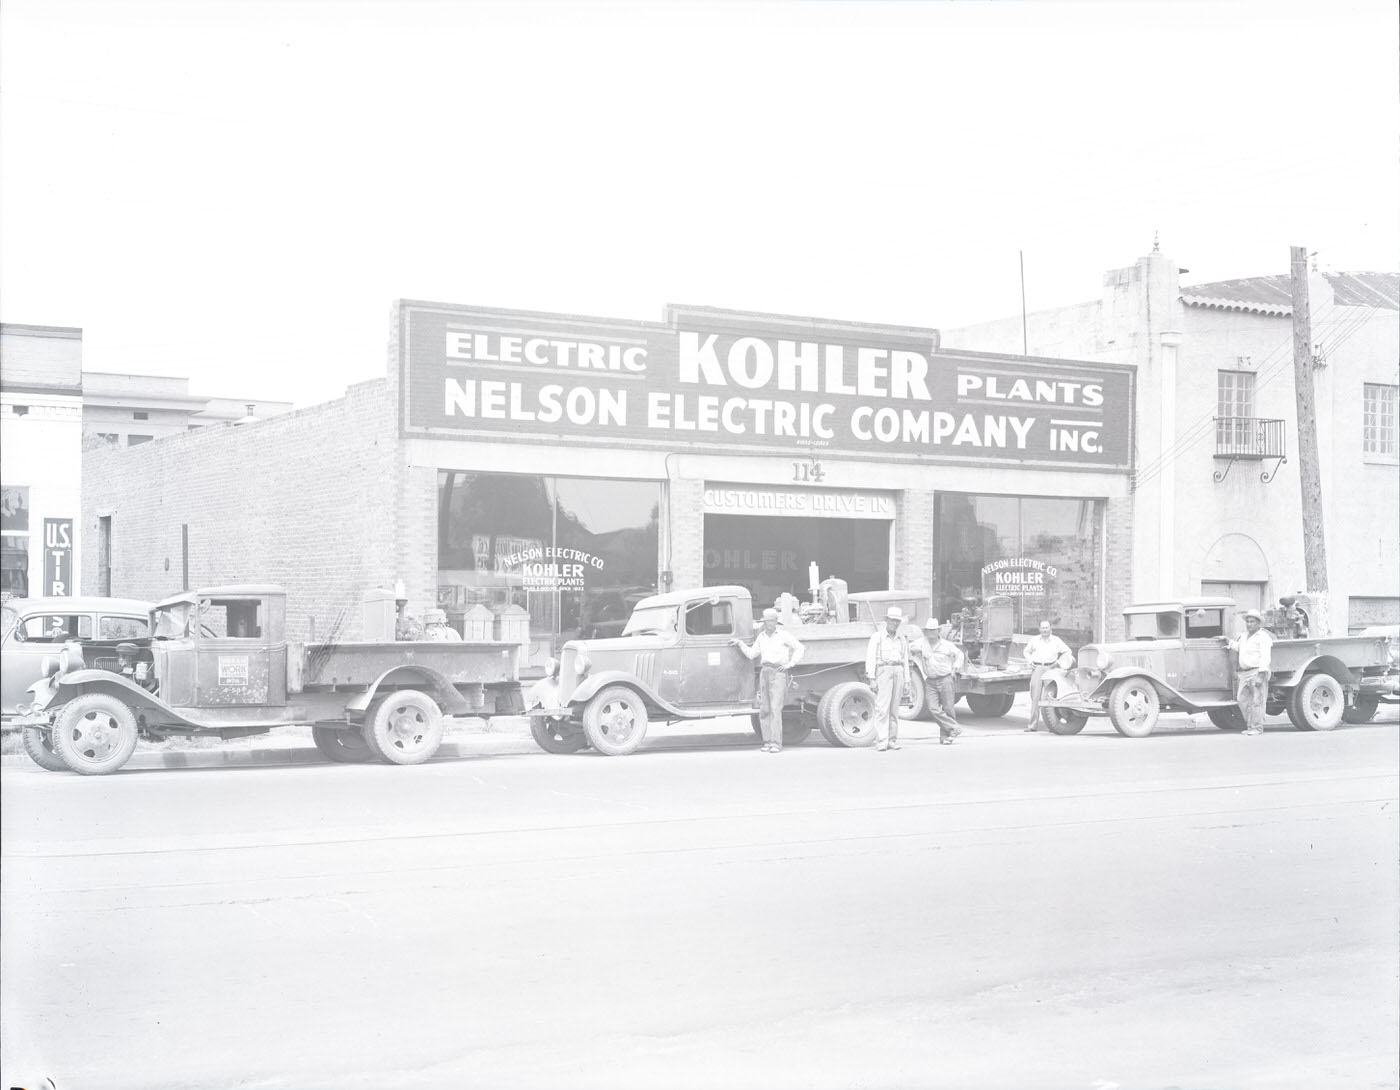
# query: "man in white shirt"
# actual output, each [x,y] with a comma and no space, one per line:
[1256,649]
[1042,652]
[887,667]
[776,650]
[943,661]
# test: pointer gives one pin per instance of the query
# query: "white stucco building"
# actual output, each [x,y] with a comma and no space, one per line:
[1217,501]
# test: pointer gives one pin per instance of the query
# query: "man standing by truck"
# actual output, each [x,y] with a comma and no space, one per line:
[1042,652]
[887,667]
[1255,648]
[777,651]
[943,661]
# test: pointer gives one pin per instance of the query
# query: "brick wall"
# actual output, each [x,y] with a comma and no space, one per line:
[687,534]
[308,500]
[913,542]
[1118,566]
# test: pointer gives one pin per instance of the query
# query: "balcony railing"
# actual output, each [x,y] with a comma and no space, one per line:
[1250,438]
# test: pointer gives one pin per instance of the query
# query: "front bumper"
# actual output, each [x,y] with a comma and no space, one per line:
[1078,704]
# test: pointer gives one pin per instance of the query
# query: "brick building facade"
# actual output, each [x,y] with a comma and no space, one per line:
[568,465]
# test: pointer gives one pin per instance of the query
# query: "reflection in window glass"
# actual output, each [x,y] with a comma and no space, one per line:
[1049,548]
[122,628]
[55,628]
[576,553]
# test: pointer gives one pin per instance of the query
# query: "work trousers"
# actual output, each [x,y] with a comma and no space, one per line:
[1252,691]
[889,687]
[1037,676]
[772,692]
[941,694]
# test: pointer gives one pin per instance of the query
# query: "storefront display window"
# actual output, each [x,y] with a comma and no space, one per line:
[1041,553]
[574,553]
[14,542]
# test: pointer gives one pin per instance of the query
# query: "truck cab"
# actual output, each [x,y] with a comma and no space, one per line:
[222,647]
[676,645]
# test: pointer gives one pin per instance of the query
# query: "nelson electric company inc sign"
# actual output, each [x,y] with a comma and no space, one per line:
[706,378]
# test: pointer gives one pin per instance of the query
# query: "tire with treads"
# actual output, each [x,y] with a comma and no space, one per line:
[1317,703]
[38,743]
[554,736]
[615,721]
[406,727]
[850,708]
[94,734]
[1134,707]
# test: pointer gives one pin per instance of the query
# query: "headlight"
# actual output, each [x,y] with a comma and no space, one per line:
[50,665]
[581,663]
[1103,661]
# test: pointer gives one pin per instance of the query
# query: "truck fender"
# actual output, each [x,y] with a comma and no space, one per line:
[1323,664]
[423,678]
[75,683]
[590,686]
[1165,692]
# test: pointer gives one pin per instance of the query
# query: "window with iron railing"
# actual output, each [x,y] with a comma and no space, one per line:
[1249,437]
[1234,410]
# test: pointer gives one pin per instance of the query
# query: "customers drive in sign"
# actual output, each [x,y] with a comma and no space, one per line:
[758,382]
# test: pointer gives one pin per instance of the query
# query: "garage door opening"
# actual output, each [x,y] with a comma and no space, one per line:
[771,554]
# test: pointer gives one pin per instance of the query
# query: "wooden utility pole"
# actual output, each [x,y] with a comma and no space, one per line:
[1309,473]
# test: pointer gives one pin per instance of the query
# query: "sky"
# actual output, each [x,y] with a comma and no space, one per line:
[237,192]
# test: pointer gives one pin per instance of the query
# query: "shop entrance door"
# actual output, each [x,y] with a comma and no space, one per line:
[772,554]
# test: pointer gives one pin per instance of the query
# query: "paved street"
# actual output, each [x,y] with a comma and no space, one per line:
[1194,909]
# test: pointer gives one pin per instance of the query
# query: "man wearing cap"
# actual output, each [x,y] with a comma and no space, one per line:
[887,667]
[943,661]
[1255,648]
[435,627]
[776,650]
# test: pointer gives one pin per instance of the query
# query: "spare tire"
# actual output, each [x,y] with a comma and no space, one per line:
[850,708]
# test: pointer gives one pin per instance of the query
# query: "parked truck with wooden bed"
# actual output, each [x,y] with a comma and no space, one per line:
[674,661]
[1176,657]
[221,666]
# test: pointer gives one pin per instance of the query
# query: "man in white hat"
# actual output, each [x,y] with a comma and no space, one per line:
[777,651]
[435,627]
[1256,649]
[887,668]
[943,661]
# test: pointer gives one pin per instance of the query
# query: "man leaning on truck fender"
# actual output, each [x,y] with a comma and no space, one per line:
[777,650]
[1256,648]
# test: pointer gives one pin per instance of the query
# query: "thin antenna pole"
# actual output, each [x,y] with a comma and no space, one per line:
[1025,340]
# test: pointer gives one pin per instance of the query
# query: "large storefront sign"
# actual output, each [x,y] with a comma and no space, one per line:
[707,377]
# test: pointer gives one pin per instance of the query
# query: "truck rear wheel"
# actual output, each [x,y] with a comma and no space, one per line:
[344,747]
[1227,718]
[1317,703]
[850,707]
[557,736]
[615,721]
[1362,710]
[1134,707]
[406,728]
[94,734]
[913,701]
[991,705]
[38,743]
[1060,720]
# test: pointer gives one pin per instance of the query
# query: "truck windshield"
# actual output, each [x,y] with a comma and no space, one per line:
[1153,626]
[173,622]
[660,620]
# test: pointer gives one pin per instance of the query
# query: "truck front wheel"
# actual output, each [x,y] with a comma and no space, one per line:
[1317,703]
[555,736]
[406,729]
[615,721]
[850,707]
[341,746]
[1060,720]
[94,734]
[1134,707]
